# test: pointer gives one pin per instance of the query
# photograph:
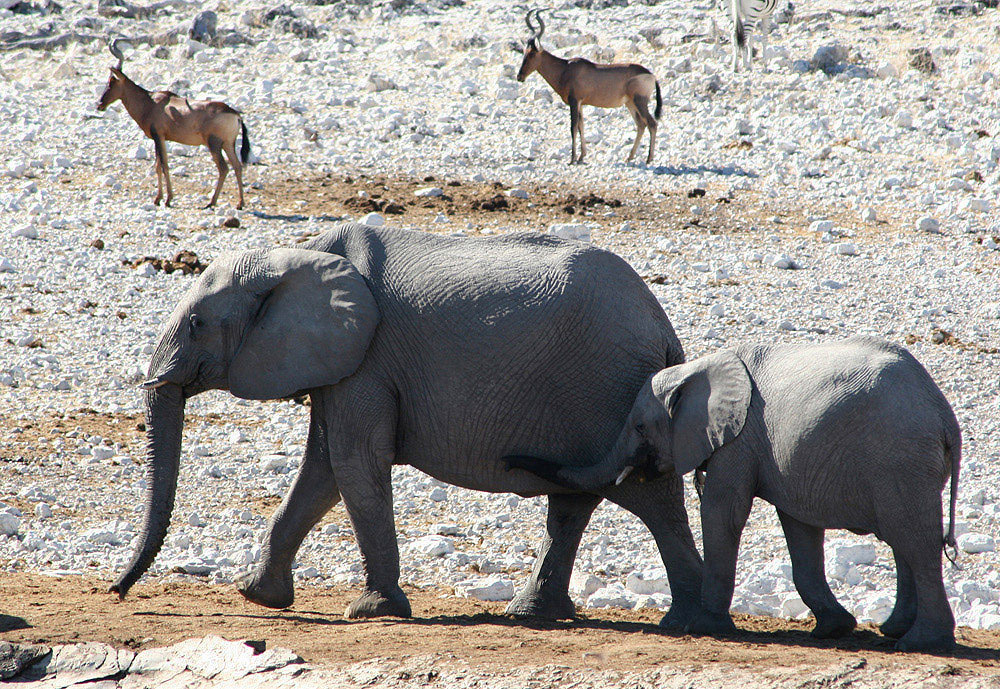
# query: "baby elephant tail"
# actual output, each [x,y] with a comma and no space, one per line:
[953,450]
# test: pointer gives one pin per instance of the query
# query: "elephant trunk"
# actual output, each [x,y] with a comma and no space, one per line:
[616,465]
[621,459]
[164,422]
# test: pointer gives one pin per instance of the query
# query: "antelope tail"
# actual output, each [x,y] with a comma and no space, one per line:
[659,102]
[245,148]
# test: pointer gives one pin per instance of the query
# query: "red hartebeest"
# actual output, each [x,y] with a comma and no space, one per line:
[580,82]
[164,116]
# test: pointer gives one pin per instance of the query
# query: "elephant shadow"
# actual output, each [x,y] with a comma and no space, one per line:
[863,640]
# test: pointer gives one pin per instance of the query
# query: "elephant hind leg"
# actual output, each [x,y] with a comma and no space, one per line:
[660,505]
[312,495]
[546,593]
[805,547]
[905,610]
[911,525]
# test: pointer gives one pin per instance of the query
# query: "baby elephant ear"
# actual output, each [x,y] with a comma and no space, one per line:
[707,401]
[315,321]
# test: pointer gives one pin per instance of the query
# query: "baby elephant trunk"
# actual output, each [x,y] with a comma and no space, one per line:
[612,470]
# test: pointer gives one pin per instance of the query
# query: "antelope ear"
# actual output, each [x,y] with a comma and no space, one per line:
[516,47]
[116,73]
[707,402]
[312,329]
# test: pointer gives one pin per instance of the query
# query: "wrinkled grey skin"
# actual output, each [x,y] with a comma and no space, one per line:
[439,352]
[846,435]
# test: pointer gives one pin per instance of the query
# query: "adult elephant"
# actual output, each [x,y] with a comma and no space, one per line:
[443,353]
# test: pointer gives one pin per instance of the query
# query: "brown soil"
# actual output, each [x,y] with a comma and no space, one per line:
[20,439]
[47,610]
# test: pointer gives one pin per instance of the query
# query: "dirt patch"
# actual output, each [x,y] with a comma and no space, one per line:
[28,439]
[185,261]
[40,609]
[944,337]
[472,207]
[476,202]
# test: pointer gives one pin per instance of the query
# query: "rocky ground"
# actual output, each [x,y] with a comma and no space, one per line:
[850,188]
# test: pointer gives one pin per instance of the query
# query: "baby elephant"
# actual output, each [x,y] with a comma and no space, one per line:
[846,435]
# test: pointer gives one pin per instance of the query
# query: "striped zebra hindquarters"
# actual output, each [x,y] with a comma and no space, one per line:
[745,15]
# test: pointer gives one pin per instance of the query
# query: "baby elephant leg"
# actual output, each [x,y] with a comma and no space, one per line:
[916,539]
[805,545]
[905,610]
[725,506]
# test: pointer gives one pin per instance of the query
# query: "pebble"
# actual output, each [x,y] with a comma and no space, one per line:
[373,219]
[976,543]
[781,261]
[576,231]
[928,224]
[493,588]
[582,584]
[9,522]
[429,192]
[26,231]
[845,249]
[435,546]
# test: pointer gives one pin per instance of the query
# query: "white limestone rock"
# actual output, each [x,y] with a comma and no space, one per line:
[433,545]
[492,588]
[976,543]
[576,231]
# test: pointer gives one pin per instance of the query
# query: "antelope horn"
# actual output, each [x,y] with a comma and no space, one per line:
[527,20]
[541,24]
[117,52]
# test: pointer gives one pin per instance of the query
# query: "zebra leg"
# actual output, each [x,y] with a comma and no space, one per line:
[739,37]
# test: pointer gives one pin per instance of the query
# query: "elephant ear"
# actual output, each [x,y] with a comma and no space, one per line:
[707,402]
[313,327]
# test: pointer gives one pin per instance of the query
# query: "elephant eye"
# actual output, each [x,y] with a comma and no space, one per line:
[640,428]
[195,321]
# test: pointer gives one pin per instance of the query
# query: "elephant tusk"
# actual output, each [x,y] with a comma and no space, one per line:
[153,383]
[622,476]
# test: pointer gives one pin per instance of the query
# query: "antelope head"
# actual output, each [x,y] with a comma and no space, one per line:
[532,48]
[113,91]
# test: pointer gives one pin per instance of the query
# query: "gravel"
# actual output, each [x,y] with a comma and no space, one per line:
[840,138]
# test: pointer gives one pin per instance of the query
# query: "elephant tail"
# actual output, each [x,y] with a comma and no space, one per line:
[953,450]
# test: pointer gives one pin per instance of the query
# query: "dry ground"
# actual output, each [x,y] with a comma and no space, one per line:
[41,609]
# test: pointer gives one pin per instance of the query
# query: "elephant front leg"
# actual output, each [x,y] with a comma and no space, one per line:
[312,495]
[546,593]
[366,486]
[725,506]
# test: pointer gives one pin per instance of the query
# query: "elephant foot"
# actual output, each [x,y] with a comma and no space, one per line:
[833,624]
[711,624]
[927,638]
[551,606]
[271,592]
[896,625]
[682,613]
[379,604]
